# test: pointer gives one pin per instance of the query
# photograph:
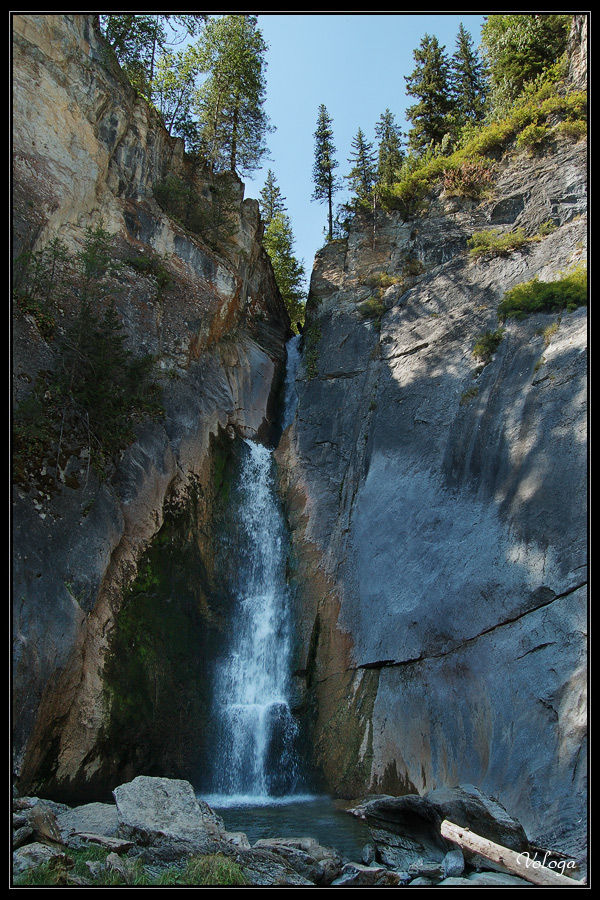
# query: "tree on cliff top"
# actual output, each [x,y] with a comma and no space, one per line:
[325,182]
[271,201]
[232,123]
[363,173]
[390,155]
[139,40]
[469,83]
[430,84]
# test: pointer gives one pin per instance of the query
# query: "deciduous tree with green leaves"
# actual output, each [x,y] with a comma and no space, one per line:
[326,184]
[518,48]
[138,41]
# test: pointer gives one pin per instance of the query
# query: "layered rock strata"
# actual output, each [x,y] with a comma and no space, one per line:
[89,153]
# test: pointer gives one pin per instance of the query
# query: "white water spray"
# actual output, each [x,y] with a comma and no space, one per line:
[255,752]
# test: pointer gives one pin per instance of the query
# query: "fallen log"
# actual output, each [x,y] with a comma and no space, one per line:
[519,864]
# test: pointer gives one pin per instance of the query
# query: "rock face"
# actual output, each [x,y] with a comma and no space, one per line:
[438,504]
[89,152]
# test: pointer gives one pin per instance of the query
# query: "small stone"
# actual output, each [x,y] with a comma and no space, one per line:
[453,864]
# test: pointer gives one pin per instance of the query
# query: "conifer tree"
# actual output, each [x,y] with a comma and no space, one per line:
[230,103]
[289,272]
[430,84]
[271,200]
[468,80]
[325,182]
[390,153]
[363,173]
[139,40]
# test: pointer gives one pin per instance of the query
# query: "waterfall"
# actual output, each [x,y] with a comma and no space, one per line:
[290,397]
[255,753]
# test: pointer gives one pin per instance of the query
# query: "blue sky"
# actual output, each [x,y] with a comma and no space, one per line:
[355,65]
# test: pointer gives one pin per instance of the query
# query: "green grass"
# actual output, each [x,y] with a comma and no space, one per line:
[71,870]
[487,344]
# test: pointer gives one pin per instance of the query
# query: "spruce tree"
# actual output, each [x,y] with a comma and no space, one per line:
[289,272]
[468,80]
[430,84]
[363,173]
[325,182]
[390,153]
[271,200]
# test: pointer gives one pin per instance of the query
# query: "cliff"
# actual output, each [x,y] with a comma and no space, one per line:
[437,502]
[90,704]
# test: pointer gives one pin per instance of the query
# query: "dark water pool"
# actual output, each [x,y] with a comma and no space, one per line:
[302,816]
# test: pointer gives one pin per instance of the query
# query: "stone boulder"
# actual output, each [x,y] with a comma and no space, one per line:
[406,830]
[319,865]
[165,819]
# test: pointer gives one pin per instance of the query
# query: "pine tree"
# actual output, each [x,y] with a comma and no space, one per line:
[325,182]
[363,173]
[468,80]
[430,83]
[289,272]
[390,153]
[270,201]
[230,102]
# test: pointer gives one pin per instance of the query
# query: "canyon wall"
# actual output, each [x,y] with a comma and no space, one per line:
[437,502]
[111,638]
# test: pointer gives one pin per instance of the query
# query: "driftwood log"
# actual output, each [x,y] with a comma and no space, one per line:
[519,864]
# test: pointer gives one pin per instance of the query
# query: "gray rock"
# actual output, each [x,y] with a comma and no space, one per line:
[33,855]
[164,816]
[90,818]
[498,878]
[453,864]
[357,875]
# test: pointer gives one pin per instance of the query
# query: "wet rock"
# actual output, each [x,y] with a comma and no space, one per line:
[498,878]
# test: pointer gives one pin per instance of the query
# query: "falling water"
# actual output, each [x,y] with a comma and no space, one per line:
[255,753]
[291,397]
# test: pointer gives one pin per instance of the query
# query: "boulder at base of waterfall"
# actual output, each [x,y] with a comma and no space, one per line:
[406,830]
[79,824]
[164,817]
[319,865]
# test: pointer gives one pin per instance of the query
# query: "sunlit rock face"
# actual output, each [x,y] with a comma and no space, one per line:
[439,504]
[87,153]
